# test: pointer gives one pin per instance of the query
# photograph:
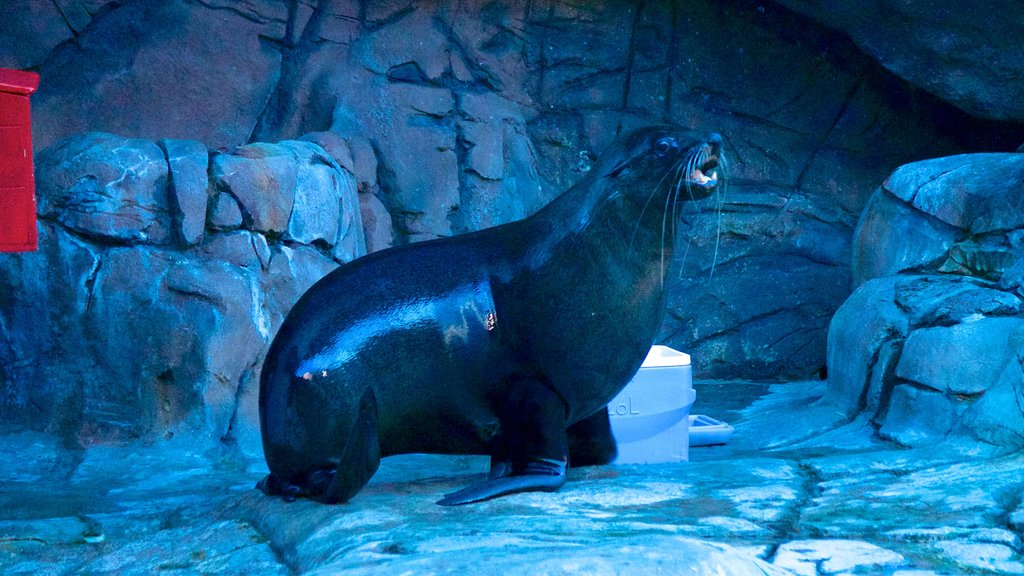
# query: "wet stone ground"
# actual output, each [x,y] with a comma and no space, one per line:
[796,491]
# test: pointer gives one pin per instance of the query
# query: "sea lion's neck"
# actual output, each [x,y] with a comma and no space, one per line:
[596,216]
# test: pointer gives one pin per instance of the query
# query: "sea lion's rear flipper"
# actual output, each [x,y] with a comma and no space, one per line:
[538,476]
[533,426]
[361,456]
[591,442]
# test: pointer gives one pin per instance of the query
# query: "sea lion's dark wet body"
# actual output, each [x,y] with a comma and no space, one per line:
[492,342]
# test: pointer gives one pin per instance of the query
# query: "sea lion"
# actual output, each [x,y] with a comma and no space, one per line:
[492,342]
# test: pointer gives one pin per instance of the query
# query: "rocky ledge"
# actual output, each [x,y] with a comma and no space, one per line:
[791,494]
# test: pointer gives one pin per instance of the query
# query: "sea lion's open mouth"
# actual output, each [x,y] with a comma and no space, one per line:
[706,174]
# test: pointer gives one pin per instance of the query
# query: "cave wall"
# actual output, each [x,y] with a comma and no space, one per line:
[463,115]
[965,53]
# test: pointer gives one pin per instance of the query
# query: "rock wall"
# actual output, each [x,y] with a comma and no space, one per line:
[162,273]
[450,117]
[961,53]
[931,343]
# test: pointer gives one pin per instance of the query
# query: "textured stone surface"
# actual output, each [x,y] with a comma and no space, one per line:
[973,192]
[929,344]
[28,33]
[129,512]
[837,502]
[262,178]
[224,212]
[459,116]
[174,69]
[188,162]
[958,214]
[863,340]
[964,359]
[727,305]
[881,248]
[376,223]
[316,215]
[31,30]
[813,557]
[920,354]
[955,53]
[917,417]
[36,294]
[999,415]
[156,320]
[107,187]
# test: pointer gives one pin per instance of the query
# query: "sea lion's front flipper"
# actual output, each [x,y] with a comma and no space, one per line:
[591,442]
[361,456]
[533,427]
[537,476]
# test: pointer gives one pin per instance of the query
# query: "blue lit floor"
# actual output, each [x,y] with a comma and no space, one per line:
[797,491]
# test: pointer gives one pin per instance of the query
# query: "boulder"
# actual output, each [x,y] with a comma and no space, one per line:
[376,223]
[929,344]
[998,416]
[109,188]
[318,195]
[292,190]
[929,356]
[864,340]
[336,147]
[917,417]
[261,177]
[972,192]
[961,214]
[893,237]
[225,213]
[962,360]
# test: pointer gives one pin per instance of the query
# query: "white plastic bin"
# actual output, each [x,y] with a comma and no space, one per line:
[651,416]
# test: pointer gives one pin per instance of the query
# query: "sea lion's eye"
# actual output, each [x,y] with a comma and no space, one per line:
[664,146]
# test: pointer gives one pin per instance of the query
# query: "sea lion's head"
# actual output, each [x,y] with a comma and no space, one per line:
[663,162]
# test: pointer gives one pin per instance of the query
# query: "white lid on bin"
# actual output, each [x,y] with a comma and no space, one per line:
[663,356]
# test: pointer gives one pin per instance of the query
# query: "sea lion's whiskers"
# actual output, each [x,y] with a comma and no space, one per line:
[670,200]
[718,239]
[683,181]
[664,217]
[675,199]
[719,207]
[640,218]
[691,165]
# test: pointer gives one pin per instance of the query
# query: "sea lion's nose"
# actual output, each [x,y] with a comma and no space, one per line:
[714,141]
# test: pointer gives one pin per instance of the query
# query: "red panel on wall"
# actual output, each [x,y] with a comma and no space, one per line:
[17,186]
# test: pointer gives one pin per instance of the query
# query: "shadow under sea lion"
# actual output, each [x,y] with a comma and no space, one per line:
[493,342]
